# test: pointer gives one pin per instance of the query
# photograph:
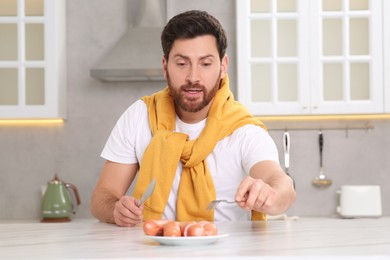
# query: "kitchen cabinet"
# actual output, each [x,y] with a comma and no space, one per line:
[313,57]
[32,59]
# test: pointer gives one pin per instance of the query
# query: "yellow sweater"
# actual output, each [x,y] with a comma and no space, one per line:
[167,148]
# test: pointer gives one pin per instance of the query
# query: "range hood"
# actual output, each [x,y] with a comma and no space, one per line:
[138,54]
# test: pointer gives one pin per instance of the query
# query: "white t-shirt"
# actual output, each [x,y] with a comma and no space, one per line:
[229,162]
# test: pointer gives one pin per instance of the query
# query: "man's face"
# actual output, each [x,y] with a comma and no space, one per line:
[194,71]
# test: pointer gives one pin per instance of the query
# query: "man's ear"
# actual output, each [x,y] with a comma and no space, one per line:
[165,67]
[224,66]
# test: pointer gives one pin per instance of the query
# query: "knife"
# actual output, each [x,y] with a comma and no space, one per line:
[149,190]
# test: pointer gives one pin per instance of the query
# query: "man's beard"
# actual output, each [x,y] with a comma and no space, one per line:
[189,105]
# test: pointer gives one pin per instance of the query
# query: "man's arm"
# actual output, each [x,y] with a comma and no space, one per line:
[109,202]
[268,189]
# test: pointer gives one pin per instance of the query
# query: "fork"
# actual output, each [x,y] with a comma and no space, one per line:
[213,204]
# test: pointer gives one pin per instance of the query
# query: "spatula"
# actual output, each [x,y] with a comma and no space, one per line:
[286,148]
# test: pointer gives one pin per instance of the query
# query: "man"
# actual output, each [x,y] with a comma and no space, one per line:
[194,139]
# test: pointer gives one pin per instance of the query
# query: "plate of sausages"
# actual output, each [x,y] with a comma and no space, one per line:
[168,232]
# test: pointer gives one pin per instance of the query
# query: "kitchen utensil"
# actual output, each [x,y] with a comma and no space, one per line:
[56,204]
[360,201]
[321,180]
[286,148]
[149,190]
[213,204]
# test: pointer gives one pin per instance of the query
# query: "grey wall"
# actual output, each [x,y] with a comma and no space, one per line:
[30,156]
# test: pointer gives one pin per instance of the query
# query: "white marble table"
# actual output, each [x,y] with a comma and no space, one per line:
[305,238]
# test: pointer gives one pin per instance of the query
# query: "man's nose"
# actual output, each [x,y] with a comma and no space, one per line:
[193,75]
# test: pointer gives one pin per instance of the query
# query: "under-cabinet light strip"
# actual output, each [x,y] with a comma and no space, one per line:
[325,117]
[31,121]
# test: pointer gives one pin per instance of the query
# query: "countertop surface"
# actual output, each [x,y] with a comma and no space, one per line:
[303,238]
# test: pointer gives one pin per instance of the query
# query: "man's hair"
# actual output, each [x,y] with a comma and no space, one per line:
[189,25]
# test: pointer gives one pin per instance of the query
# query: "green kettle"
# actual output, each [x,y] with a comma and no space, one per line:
[57,205]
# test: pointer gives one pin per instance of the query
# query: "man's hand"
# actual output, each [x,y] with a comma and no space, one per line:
[267,189]
[109,203]
[127,213]
[255,194]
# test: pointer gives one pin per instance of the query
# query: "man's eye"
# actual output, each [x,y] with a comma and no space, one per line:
[207,64]
[181,64]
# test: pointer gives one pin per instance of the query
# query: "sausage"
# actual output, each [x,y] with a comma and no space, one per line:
[154,227]
[172,229]
[210,229]
[177,229]
[194,230]
[183,226]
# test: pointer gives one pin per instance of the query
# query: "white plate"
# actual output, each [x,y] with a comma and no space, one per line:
[187,241]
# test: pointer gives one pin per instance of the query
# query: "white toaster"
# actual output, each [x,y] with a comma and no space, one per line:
[360,201]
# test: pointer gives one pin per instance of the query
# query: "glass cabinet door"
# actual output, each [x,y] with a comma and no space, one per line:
[350,58]
[9,54]
[274,56]
[310,56]
[28,89]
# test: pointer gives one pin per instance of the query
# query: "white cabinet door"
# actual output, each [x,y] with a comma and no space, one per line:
[32,59]
[271,57]
[310,56]
[386,44]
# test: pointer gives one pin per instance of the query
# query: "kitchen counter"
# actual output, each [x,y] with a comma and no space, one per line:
[304,238]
